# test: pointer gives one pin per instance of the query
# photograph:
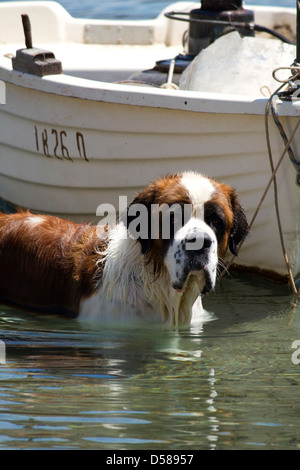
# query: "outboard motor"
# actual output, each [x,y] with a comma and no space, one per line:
[213,13]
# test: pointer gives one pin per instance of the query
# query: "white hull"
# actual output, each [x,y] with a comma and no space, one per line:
[69,144]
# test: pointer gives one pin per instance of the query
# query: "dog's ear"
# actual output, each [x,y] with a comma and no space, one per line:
[139,219]
[240,227]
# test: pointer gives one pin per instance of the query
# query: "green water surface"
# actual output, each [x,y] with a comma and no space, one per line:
[230,383]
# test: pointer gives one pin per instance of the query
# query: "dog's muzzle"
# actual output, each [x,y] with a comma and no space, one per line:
[196,257]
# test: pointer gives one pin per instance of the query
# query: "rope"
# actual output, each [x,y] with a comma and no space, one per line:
[169,84]
[287,150]
[272,105]
[274,170]
[294,68]
[290,152]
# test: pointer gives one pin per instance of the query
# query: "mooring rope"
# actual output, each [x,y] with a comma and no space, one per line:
[287,149]
[272,105]
[290,152]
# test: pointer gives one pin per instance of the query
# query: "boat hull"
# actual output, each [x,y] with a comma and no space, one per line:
[68,145]
[70,155]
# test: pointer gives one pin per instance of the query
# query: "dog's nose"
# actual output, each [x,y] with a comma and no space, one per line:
[198,252]
[198,244]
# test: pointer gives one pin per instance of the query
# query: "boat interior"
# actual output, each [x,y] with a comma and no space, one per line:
[135,51]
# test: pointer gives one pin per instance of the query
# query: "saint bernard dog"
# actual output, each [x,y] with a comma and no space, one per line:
[50,265]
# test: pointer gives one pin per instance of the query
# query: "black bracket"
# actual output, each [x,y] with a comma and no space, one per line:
[33,60]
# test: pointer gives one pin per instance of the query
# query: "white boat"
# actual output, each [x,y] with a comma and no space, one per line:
[73,140]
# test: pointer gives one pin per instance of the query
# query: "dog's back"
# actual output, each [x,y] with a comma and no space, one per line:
[46,263]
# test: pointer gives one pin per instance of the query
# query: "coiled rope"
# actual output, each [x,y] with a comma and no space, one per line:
[271,105]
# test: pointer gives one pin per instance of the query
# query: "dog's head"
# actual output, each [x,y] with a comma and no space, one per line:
[184,223]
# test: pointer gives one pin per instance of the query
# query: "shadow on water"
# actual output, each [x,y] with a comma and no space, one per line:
[244,298]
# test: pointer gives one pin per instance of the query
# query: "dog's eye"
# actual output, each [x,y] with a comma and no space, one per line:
[176,216]
[216,222]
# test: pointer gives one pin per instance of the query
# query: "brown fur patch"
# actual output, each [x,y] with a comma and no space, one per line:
[47,264]
[222,198]
[166,190]
[236,222]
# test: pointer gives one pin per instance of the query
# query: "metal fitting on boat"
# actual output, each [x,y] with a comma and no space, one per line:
[33,60]
[213,13]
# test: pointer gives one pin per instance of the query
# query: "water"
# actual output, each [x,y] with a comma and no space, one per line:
[231,383]
[138,9]
[228,384]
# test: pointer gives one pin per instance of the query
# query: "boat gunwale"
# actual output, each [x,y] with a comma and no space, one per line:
[141,96]
[144,96]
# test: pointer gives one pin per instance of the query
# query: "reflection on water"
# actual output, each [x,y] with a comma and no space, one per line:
[229,383]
